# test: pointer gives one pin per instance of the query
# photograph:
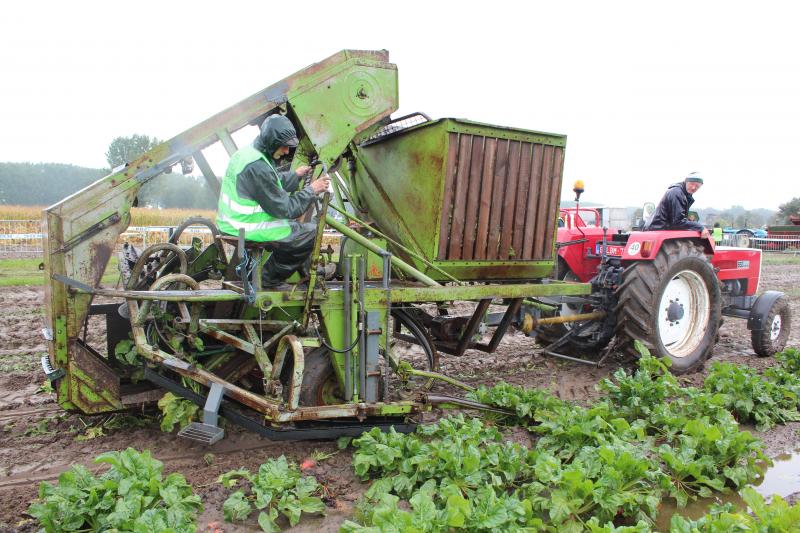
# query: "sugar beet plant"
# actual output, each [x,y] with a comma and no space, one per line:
[277,488]
[766,401]
[460,474]
[132,496]
[592,468]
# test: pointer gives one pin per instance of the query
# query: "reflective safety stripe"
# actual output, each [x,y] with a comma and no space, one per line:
[253,226]
[235,213]
[235,206]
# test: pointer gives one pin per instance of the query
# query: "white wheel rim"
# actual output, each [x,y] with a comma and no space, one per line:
[775,328]
[683,330]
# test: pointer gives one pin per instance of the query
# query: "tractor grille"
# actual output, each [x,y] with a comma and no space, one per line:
[500,199]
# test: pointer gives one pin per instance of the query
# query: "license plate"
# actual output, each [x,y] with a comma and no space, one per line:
[611,249]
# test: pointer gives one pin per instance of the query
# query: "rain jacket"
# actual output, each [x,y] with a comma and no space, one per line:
[259,182]
[673,210]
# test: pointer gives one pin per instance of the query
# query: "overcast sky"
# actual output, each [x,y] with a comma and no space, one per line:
[644,94]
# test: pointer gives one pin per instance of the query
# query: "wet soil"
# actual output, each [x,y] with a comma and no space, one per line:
[38,440]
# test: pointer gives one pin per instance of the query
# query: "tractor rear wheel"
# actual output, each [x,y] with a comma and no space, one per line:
[672,305]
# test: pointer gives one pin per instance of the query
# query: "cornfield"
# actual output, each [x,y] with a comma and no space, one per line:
[21,227]
[140,216]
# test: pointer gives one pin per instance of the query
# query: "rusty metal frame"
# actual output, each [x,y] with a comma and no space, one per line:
[508,317]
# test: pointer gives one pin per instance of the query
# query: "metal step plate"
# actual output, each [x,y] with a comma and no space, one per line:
[204,433]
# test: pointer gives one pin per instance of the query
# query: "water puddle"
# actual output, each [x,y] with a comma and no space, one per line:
[782,479]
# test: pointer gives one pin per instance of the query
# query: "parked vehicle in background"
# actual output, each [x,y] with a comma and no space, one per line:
[742,237]
[784,238]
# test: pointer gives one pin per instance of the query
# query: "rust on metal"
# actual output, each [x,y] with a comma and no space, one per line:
[95,387]
[498,190]
[497,199]
[447,196]
[530,236]
[554,200]
[473,196]
[236,323]
[500,331]
[258,349]
[454,250]
[485,202]
[231,340]
[520,218]
[544,195]
[472,326]
[247,398]
[508,223]
[290,342]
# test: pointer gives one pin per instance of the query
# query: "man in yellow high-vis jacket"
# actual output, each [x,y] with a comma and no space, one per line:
[265,202]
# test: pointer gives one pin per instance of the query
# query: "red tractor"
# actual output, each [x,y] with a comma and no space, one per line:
[667,289]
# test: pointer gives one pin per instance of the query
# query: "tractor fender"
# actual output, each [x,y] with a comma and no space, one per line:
[760,309]
[644,245]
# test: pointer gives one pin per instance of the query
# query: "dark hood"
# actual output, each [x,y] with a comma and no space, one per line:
[680,185]
[276,131]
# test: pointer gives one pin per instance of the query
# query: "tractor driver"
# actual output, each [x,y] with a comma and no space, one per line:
[673,209]
[265,202]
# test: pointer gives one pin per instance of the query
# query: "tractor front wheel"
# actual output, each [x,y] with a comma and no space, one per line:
[776,325]
[672,305]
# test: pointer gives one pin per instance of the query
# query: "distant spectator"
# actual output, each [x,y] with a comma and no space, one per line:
[717,233]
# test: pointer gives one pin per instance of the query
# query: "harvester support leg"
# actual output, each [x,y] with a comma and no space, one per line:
[211,408]
[508,317]
[472,327]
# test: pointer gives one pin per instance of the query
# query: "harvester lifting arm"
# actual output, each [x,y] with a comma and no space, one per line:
[377,232]
[312,273]
[366,243]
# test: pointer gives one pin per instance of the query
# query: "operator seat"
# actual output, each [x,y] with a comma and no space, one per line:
[255,249]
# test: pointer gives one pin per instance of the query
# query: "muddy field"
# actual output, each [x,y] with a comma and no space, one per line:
[38,440]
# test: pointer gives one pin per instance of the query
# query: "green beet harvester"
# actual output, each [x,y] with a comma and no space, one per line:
[422,213]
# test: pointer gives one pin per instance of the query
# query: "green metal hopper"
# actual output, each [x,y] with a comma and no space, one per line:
[479,201]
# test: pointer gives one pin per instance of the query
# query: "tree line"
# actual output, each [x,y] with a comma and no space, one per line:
[739,217]
[48,183]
